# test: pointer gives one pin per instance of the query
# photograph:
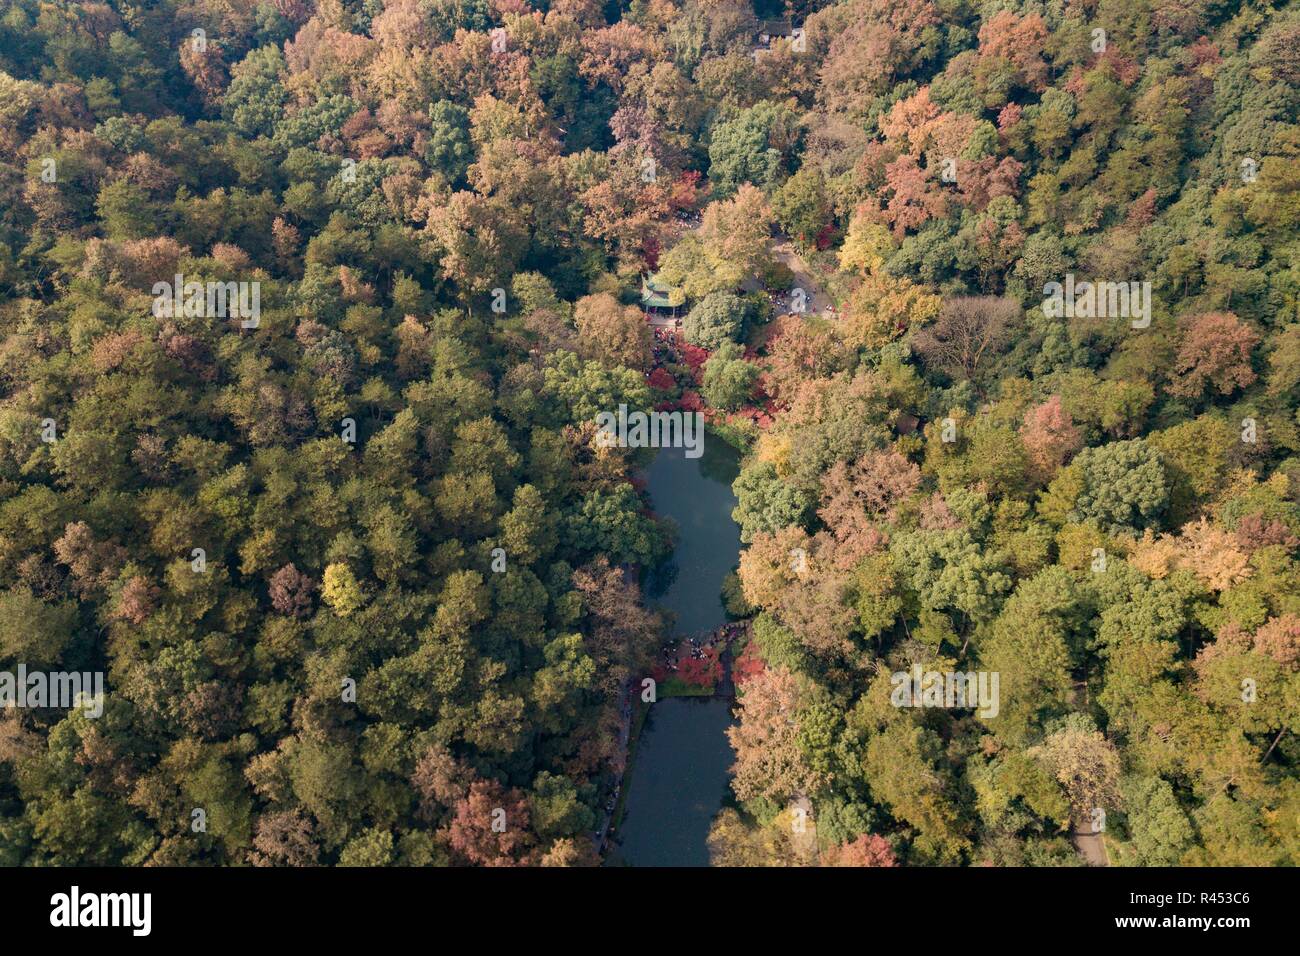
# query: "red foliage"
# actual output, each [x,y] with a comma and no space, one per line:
[686,192]
[294,11]
[917,197]
[206,69]
[137,600]
[291,591]
[1125,69]
[1009,116]
[690,401]
[472,835]
[694,356]
[517,7]
[751,414]
[650,250]
[1050,437]
[762,410]
[1256,531]
[1215,352]
[748,663]
[867,850]
[1018,41]
[661,379]
[1142,210]
[1203,52]
[1280,640]
[702,671]
[988,179]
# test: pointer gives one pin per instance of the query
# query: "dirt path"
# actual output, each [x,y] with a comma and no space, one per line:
[819,303]
[601,835]
[1091,847]
[804,835]
[784,252]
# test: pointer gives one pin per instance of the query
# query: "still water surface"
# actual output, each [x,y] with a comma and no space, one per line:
[679,777]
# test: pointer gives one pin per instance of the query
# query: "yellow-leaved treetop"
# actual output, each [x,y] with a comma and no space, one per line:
[341,589]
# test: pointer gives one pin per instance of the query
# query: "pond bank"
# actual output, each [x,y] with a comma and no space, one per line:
[679,765]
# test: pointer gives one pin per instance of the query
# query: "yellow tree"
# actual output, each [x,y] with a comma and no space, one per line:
[883,307]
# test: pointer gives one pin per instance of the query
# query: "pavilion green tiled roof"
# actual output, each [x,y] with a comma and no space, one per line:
[656,294]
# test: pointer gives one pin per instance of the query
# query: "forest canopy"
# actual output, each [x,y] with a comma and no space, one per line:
[308,307]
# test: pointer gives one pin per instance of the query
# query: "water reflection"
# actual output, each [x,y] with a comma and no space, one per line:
[679,776]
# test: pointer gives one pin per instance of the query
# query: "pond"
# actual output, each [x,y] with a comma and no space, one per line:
[679,775]
[696,494]
[678,782]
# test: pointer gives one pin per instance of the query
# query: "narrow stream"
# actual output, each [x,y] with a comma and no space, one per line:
[679,777]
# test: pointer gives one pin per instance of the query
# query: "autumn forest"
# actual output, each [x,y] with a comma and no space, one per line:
[309,313]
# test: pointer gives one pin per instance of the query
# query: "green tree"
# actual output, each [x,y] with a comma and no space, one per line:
[716,319]
[766,503]
[728,379]
[748,148]
[1120,486]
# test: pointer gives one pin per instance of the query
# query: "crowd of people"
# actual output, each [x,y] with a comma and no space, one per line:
[698,646]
